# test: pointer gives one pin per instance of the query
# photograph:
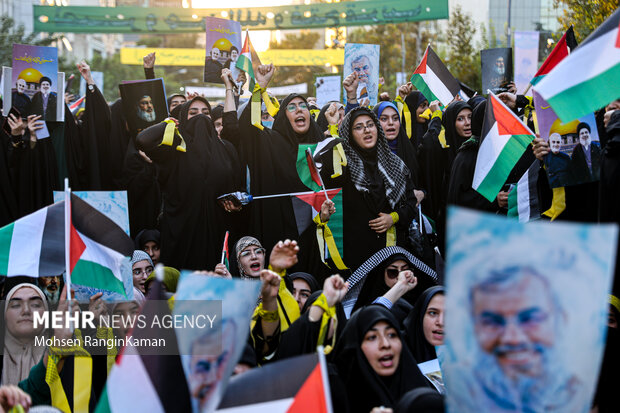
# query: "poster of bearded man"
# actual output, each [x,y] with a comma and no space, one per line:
[144,103]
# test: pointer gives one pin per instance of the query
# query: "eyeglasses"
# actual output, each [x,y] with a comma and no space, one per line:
[147,270]
[393,272]
[292,107]
[370,126]
[195,111]
[259,252]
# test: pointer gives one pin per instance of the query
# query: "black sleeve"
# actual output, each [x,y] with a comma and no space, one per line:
[460,191]
[230,129]
[149,73]
[407,209]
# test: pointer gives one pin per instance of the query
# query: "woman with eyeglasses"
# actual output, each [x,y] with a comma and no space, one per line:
[194,167]
[141,268]
[378,196]
[271,159]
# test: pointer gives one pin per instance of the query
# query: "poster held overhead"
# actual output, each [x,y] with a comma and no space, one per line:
[144,103]
[364,60]
[496,69]
[223,47]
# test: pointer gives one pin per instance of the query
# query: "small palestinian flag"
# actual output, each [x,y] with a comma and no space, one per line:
[225,252]
[588,78]
[562,49]
[248,60]
[147,383]
[294,385]
[308,205]
[523,198]
[75,105]
[307,168]
[503,142]
[434,80]
[35,246]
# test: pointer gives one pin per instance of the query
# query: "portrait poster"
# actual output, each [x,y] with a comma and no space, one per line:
[220,346]
[34,82]
[363,59]
[526,59]
[496,69]
[522,304]
[144,103]
[327,89]
[223,47]
[575,148]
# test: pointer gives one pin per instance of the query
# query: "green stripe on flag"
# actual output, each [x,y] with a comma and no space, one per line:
[513,203]
[245,64]
[420,84]
[94,275]
[537,79]
[586,96]
[6,235]
[303,170]
[336,224]
[104,404]
[507,159]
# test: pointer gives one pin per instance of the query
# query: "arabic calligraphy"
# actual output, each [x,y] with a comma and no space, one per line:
[33,59]
[223,31]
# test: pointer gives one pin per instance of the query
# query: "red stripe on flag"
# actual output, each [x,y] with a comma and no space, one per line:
[507,123]
[421,69]
[316,199]
[311,396]
[559,52]
[314,172]
[618,37]
[226,245]
[77,247]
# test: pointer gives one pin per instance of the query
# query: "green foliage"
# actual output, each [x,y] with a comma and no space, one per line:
[585,15]
[463,59]
[9,35]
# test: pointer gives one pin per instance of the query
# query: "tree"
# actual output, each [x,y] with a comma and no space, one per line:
[463,60]
[389,37]
[11,35]
[585,15]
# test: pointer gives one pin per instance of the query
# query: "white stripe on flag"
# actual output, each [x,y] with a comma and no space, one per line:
[26,245]
[102,255]
[130,387]
[523,197]
[583,64]
[437,87]
[275,406]
[489,151]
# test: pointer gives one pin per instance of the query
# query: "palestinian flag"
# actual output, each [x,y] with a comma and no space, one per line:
[562,49]
[35,246]
[75,105]
[503,142]
[588,78]
[434,80]
[225,252]
[294,385]
[98,248]
[147,383]
[523,198]
[248,60]
[307,205]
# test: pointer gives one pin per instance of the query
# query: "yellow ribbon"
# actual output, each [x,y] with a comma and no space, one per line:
[427,114]
[558,204]
[613,300]
[442,139]
[333,130]
[339,160]
[403,109]
[169,133]
[528,108]
[255,109]
[269,316]
[82,376]
[324,236]
[315,113]
[107,334]
[272,105]
[328,313]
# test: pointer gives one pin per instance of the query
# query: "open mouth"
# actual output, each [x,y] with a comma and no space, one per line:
[387,361]
[438,334]
[300,121]
[255,266]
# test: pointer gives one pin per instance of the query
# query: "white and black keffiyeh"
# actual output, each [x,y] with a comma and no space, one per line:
[392,169]
[356,280]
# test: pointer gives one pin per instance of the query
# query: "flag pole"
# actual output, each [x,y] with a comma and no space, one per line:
[308,153]
[279,195]
[224,248]
[325,379]
[68,240]
[529,85]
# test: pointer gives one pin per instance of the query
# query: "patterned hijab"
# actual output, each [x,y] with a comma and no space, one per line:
[242,244]
[391,168]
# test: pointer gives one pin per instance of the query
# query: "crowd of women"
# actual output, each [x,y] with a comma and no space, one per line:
[395,179]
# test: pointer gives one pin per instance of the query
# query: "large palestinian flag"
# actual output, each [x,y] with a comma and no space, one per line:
[562,49]
[504,140]
[293,385]
[35,246]
[434,80]
[588,78]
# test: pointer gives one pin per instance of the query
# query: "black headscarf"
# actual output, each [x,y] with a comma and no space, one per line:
[453,139]
[282,125]
[366,389]
[309,278]
[421,349]
[376,170]
[145,236]
[422,400]
[413,101]
[477,118]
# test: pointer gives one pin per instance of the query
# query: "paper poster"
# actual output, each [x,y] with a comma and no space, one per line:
[522,304]
[363,59]
[34,82]
[223,43]
[210,355]
[432,372]
[575,146]
[526,59]
[112,204]
[327,89]
[144,103]
[496,69]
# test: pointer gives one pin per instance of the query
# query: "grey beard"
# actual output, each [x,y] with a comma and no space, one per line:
[146,116]
[52,298]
